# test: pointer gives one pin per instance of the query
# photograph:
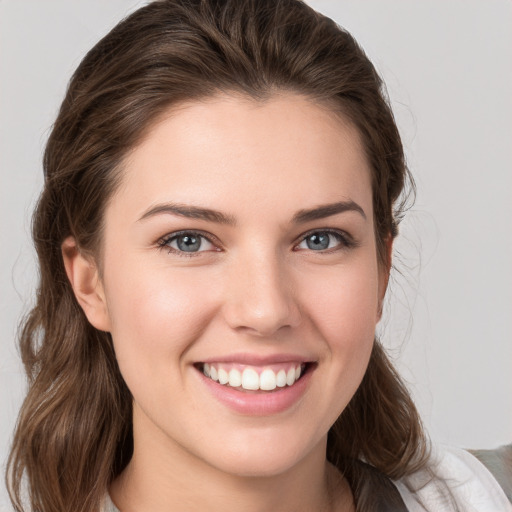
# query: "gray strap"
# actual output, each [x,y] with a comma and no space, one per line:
[374,491]
[499,463]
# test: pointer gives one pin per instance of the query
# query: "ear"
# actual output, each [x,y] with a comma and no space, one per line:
[83,275]
[384,271]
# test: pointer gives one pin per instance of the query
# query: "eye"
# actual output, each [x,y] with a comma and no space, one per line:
[187,242]
[323,240]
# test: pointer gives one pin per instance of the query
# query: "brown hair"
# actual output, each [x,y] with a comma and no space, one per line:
[74,432]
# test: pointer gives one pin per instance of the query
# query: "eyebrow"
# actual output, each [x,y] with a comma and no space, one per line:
[190,212]
[302,216]
[326,210]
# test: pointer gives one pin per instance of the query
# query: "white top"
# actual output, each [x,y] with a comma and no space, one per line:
[473,488]
[461,483]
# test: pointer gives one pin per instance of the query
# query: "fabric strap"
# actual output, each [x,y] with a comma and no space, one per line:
[499,463]
[373,491]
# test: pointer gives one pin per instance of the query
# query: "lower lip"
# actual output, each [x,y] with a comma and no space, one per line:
[262,403]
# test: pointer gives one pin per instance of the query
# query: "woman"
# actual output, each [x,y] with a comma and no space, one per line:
[222,191]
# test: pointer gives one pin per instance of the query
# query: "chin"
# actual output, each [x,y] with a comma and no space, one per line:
[257,466]
[266,457]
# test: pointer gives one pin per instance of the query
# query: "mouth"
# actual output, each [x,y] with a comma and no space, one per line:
[255,379]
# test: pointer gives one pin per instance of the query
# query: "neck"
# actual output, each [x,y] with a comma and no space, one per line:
[158,478]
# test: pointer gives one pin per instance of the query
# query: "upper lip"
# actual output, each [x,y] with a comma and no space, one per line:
[259,359]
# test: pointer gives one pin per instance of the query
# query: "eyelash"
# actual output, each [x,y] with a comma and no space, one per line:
[164,242]
[344,239]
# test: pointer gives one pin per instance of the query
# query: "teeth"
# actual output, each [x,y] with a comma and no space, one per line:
[268,380]
[250,379]
[223,376]
[235,378]
[281,379]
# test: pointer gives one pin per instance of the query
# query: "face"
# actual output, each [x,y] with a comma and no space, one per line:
[241,282]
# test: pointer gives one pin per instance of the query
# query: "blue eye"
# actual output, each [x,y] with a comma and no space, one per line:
[187,242]
[322,240]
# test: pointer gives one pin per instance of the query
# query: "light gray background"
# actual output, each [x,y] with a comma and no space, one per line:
[448,69]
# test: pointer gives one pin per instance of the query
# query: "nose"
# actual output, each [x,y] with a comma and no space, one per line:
[260,297]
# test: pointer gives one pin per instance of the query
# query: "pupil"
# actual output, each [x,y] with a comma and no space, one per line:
[189,243]
[318,241]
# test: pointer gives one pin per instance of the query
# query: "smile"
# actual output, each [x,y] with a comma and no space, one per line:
[253,378]
[255,385]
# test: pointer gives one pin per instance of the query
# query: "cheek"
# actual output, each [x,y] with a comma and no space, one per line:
[345,307]
[344,311]
[156,315]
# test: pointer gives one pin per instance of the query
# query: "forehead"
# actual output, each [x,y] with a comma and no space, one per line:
[286,149]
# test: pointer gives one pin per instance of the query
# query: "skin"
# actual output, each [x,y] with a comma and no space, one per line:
[257,288]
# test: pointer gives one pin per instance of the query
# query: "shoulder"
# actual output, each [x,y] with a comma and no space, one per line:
[454,480]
